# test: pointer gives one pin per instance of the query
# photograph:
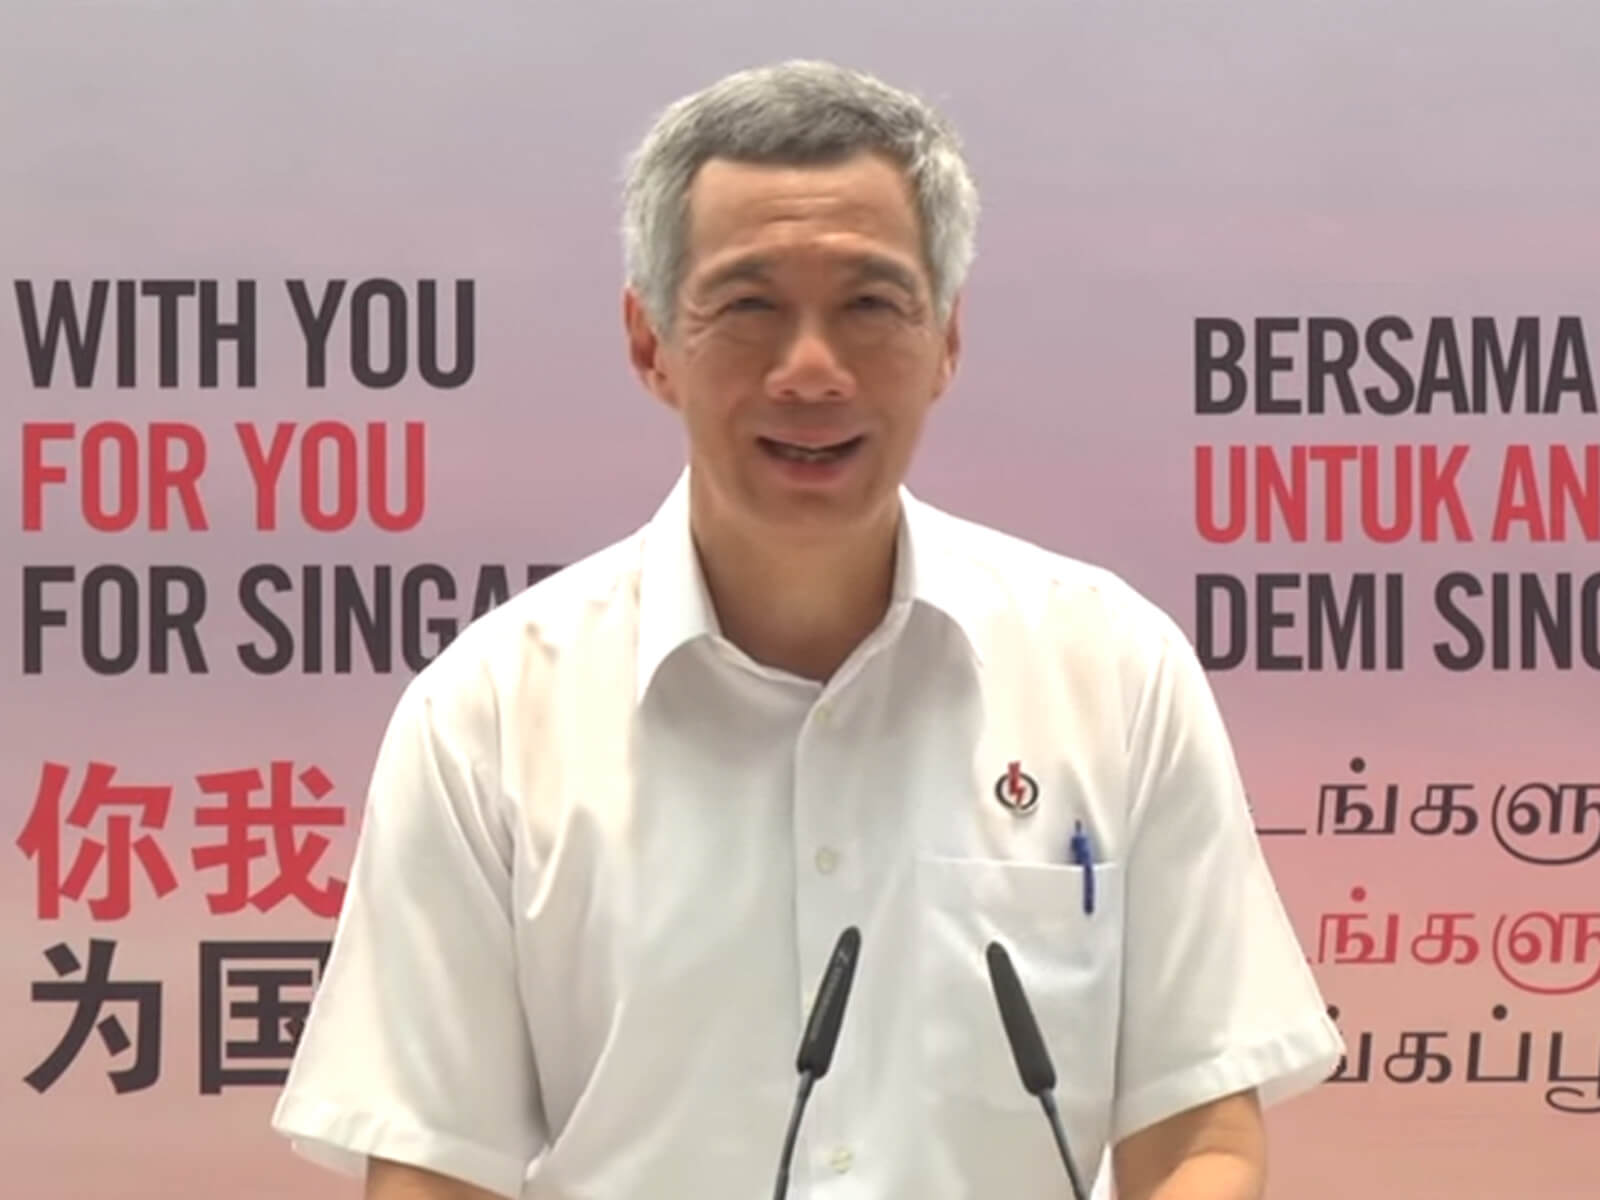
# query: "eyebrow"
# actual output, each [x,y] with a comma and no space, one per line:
[867,268]
[742,270]
[874,268]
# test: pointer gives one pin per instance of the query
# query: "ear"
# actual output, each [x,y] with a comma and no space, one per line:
[951,355]
[645,347]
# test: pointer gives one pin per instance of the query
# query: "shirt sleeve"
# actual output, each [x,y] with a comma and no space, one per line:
[1218,996]
[415,1048]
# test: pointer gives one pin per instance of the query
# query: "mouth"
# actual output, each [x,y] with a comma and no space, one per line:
[790,452]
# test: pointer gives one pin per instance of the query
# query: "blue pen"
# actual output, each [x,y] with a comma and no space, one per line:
[1083,856]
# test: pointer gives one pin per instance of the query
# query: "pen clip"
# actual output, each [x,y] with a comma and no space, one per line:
[1083,856]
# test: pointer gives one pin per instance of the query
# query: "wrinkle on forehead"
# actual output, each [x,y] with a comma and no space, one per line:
[858,264]
[738,205]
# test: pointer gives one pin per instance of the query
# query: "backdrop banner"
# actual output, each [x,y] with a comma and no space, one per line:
[311,352]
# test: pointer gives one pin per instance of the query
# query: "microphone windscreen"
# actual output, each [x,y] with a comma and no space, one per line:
[1022,1031]
[827,1011]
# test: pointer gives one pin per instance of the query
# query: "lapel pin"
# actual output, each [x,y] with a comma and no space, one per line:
[1017,790]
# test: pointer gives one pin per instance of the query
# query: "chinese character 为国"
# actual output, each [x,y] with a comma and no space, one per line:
[91,993]
[266,986]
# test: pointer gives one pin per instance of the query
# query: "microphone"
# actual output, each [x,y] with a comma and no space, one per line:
[819,1039]
[1027,1047]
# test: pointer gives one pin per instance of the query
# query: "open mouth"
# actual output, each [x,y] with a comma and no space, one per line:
[811,454]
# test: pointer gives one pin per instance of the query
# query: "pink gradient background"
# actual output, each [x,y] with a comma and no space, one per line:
[1142,165]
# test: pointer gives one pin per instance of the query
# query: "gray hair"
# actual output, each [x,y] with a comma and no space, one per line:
[796,113]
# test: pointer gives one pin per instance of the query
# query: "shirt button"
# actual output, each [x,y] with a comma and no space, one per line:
[827,860]
[824,714]
[842,1159]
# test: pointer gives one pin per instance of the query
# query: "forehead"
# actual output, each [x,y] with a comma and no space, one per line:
[863,205]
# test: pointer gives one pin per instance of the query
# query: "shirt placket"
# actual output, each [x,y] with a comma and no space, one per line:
[828,898]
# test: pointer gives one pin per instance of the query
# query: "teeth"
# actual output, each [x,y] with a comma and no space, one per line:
[805,454]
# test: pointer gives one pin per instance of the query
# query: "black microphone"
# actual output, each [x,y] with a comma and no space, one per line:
[1027,1047]
[821,1035]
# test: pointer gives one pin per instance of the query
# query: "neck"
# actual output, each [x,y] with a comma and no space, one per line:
[803,607]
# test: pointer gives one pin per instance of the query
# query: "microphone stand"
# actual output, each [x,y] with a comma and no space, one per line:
[800,1097]
[1048,1099]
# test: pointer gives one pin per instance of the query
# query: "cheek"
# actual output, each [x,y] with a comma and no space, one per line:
[711,384]
[732,363]
[906,376]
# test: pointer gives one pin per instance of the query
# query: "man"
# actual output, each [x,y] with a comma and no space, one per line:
[616,827]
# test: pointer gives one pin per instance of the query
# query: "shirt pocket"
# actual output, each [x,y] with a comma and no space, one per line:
[1065,945]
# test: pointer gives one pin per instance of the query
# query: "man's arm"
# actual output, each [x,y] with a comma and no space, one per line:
[417,1045]
[395,1181]
[1215,1151]
[1221,1014]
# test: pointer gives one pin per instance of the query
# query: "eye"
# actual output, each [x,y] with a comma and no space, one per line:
[748,304]
[871,303]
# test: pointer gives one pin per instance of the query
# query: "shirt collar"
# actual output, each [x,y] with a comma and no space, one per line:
[675,608]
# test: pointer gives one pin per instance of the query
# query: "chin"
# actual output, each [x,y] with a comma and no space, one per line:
[821,510]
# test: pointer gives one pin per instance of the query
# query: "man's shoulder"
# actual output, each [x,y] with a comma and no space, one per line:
[1028,564]
[532,628]
[1041,585]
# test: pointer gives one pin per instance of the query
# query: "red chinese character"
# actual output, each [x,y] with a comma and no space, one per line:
[281,816]
[41,840]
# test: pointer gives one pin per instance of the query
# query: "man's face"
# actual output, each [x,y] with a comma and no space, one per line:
[807,350]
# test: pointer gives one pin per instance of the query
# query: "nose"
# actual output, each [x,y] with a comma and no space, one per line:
[809,367]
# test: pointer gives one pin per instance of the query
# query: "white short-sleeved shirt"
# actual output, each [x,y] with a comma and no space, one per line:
[605,858]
